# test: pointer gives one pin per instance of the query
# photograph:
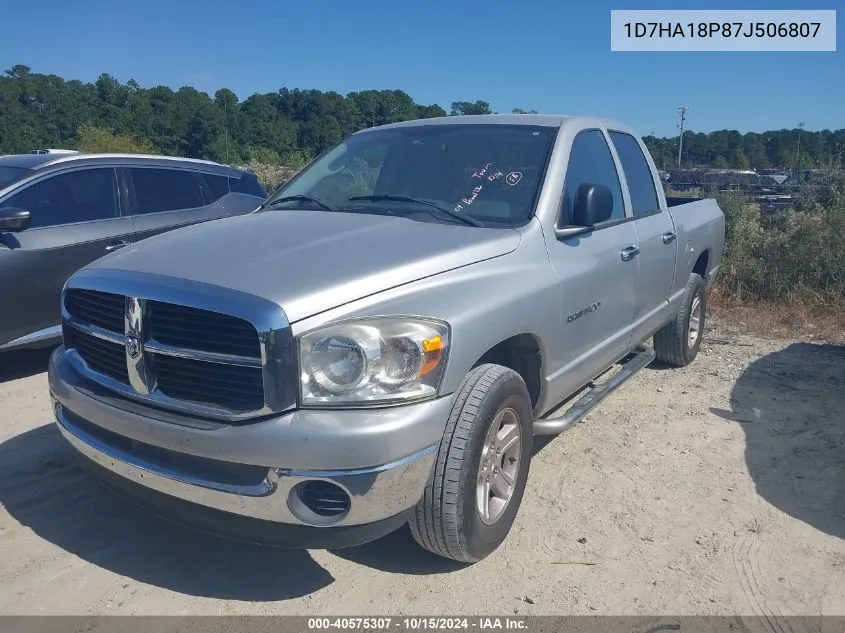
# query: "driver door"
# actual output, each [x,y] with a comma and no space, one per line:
[75,219]
[598,276]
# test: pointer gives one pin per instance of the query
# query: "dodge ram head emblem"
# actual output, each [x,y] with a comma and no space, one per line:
[133,345]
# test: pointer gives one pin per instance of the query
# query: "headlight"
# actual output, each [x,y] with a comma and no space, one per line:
[373,361]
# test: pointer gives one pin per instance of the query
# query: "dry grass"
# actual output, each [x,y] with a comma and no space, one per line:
[783,275]
[783,320]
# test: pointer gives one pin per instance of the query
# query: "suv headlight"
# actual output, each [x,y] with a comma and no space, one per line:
[366,362]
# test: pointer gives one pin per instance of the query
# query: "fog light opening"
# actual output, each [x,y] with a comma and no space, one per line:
[319,502]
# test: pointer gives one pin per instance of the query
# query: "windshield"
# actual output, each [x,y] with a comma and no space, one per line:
[8,175]
[488,173]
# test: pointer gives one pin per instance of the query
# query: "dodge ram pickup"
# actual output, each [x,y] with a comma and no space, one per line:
[379,343]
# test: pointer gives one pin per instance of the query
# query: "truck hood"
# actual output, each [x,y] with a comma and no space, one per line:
[311,261]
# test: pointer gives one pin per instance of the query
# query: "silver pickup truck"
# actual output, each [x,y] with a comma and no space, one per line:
[380,342]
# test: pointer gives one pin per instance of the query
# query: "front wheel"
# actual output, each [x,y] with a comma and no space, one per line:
[482,466]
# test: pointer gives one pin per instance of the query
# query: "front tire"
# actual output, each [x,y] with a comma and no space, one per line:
[479,478]
[677,343]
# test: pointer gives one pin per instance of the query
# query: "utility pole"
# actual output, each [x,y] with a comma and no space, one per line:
[798,149]
[682,110]
[226,127]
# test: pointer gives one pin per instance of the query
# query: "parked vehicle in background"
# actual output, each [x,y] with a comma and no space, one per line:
[60,211]
[54,151]
[381,341]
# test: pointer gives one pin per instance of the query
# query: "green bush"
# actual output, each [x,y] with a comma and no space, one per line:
[97,140]
[785,257]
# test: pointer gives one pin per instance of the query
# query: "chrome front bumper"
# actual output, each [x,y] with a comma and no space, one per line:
[108,435]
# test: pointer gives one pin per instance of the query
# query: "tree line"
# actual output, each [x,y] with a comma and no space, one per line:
[776,149]
[290,126]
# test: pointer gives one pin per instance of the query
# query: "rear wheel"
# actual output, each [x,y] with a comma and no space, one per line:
[482,466]
[677,343]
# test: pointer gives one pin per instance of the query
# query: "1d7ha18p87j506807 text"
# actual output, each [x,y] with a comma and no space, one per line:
[722,29]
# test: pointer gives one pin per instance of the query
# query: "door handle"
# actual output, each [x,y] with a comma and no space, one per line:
[629,253]
[116,245]
[669,237]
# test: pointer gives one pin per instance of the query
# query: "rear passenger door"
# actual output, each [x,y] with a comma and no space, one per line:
[75,219]
[166,198]
[655,235]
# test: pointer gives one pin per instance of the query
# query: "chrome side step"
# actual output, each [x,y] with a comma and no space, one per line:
[556,422]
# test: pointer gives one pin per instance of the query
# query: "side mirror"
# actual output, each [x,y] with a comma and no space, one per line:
[14,219]
[593,204]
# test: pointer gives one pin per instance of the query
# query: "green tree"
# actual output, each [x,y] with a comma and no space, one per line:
[740,160]
[19,71]
[466,107]
[42,110]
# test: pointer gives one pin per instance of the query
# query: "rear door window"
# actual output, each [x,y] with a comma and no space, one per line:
[82,195]
[214,187]
[159,189]
[637,174]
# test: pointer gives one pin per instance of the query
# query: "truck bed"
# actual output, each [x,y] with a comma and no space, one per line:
[700,225]
[675,202]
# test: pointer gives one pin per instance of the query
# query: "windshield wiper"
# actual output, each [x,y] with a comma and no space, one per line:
[401,198]
[267,205]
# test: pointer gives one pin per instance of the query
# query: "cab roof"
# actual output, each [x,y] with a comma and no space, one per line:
[543,120]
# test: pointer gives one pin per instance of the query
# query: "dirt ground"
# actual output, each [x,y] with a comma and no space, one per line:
[715,489]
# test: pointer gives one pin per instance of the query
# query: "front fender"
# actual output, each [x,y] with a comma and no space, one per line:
[485,303]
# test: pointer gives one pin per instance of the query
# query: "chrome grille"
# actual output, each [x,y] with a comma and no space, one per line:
[179,356]
[105,357]
[201,330]
[102,309]
[233,387]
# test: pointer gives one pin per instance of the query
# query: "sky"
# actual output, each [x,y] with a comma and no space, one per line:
[551,56]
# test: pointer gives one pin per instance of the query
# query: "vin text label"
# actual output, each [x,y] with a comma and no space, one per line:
[723,30]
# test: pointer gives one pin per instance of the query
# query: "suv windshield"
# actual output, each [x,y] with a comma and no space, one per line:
[8,175]
[490,174]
